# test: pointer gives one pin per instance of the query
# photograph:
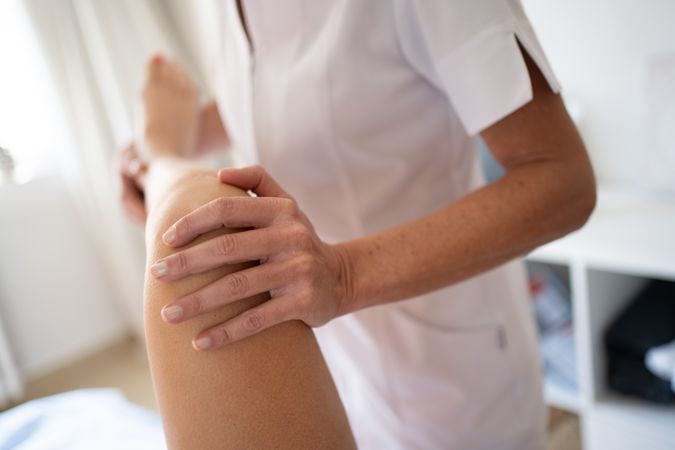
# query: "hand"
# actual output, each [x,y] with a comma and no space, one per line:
[307,279]
[130,167]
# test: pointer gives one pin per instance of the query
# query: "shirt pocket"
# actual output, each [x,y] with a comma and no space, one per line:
[455,386]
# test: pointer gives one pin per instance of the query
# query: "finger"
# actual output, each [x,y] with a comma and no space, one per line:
[130,190]
[154,66]
[246,324]
[134,167]
[132,200]
[130,164]
[126,154]
[135,210]
[233,212]
[228,248]
[235,286]
[253,178]
[136,214]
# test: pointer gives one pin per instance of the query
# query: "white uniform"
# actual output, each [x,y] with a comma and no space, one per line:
[366,111]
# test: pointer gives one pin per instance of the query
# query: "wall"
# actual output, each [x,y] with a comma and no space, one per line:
[197,25]
[601,51]
[55,300]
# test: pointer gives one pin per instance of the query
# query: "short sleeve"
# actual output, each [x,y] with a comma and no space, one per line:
[469,50]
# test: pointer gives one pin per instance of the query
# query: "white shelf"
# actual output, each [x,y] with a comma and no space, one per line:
[628,233]
[561,397]
[629,240]
[660,415]
[624,423]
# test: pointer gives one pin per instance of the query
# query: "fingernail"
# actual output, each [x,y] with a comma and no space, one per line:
[159,269]
[170,235]
[172,312]
[202,343]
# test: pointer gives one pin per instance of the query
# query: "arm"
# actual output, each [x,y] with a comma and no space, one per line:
[272,391]
[547,192]
[210,136]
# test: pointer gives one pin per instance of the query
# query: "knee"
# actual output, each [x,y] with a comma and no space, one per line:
[182,197]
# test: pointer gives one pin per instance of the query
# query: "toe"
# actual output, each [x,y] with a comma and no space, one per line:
[157,58]
[156,66]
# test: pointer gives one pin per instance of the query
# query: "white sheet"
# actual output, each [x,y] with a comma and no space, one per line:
[89,419]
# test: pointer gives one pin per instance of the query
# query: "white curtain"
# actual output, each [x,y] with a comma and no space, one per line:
[11,387]
[96,51]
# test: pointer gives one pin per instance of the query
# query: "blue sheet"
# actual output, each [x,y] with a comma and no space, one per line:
[88,419]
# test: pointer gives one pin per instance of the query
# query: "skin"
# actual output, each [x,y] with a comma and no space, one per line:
[548,191]
[271,391]
[208,135]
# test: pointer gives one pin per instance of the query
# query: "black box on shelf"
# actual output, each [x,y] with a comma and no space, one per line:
[647,322]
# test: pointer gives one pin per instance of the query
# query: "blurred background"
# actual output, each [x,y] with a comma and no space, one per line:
[71,264]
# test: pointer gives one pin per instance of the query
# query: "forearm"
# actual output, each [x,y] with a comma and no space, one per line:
[534,203]
[548,191]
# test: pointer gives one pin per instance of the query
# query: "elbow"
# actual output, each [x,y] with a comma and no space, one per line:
[584,200]
[586,206]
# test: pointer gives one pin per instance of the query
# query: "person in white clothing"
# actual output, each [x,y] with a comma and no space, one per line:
[358,124]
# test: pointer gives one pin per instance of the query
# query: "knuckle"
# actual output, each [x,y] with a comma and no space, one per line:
[304,266]
[226,244]
[183,226]
[237,284]
[182,262]
[223,205]
[225,335]
[302,238]
[287,206]
[305,303]
[258,169]
[196,303]
[254,320]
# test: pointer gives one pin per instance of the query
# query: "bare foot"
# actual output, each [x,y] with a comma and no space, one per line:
[170,106]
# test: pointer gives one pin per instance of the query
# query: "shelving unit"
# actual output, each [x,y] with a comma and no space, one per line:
[629,240]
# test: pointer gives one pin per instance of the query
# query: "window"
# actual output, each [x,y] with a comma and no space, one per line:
[31,122]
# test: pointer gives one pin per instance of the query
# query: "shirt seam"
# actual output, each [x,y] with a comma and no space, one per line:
[386,366]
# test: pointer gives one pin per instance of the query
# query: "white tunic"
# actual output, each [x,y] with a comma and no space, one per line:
[367,111]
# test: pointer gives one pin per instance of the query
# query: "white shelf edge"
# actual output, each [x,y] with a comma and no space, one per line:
[561,397]
[635,408]
[628,233]
[544,255]
[550,255]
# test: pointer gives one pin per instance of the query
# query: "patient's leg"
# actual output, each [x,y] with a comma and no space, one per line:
[272,390]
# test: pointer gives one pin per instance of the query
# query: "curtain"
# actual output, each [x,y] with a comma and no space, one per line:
[11,387]
[96,51]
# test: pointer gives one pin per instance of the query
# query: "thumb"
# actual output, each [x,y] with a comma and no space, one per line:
[253,178]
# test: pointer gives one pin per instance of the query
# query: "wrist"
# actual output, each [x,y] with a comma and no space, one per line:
[347,280]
